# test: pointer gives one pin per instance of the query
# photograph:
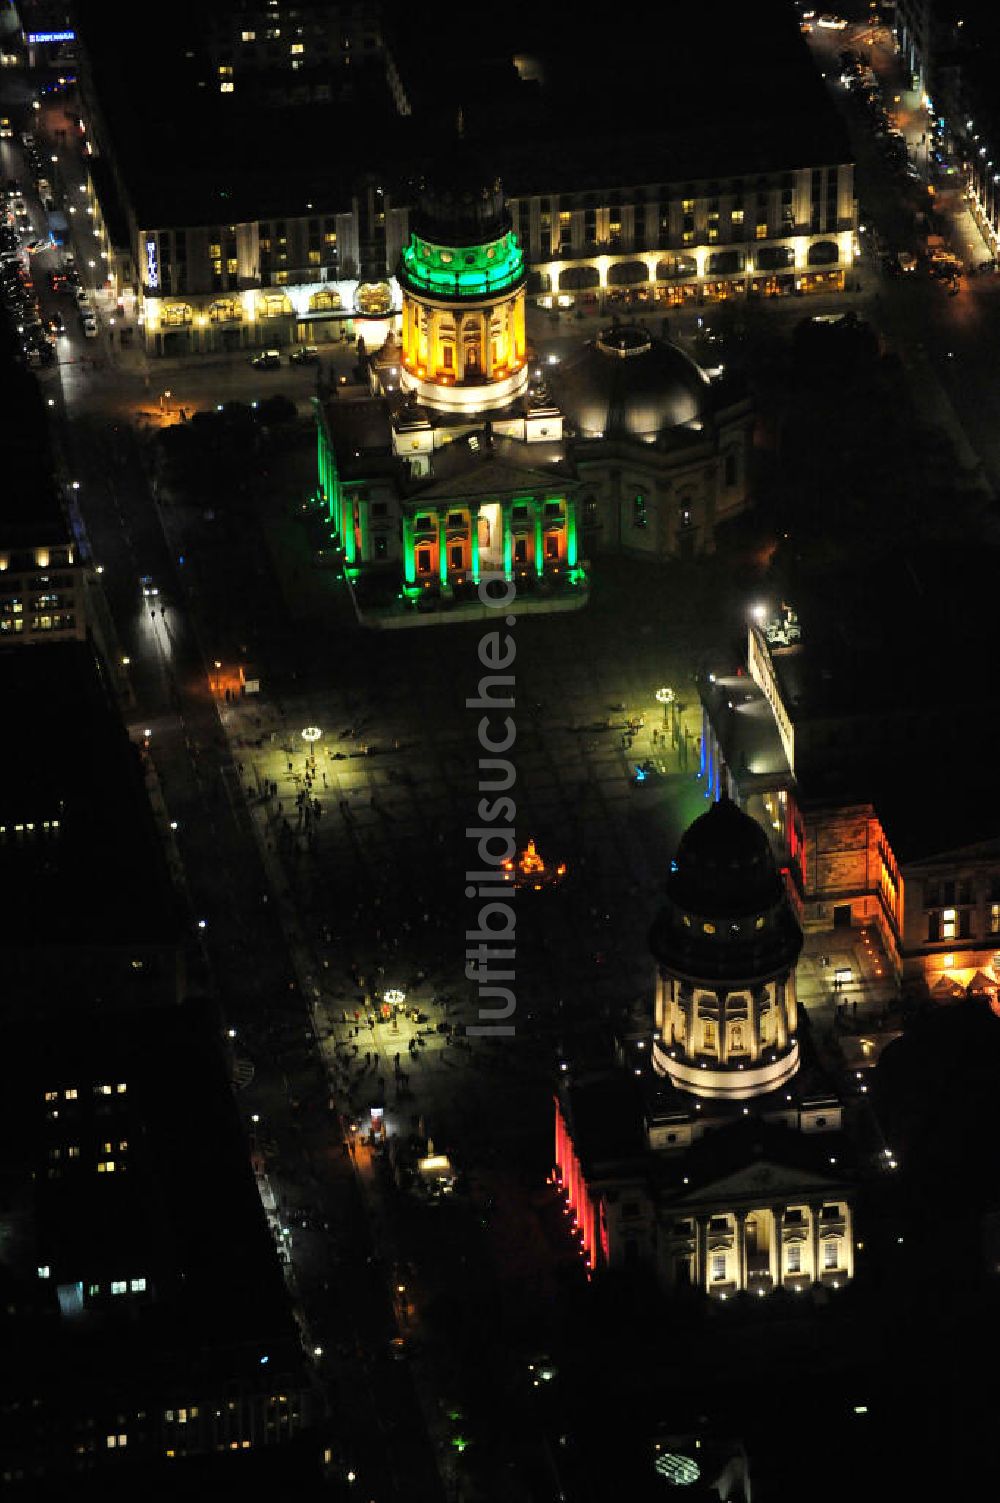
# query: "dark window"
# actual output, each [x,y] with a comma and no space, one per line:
[457,556]
[933,927]
[552,547]
[730,469]
[520,550]
[932,894]
[949,893]
[380,547]
[423,560]
[380,509]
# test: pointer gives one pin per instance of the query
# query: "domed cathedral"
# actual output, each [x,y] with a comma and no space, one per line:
[663,447]
[462,277]
[714,1149]
[726,945]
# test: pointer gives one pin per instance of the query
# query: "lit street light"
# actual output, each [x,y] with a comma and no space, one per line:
[665,697]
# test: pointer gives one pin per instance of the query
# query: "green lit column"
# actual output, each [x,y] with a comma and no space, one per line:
[363,528]
[539,558]
[474,540]
[409,561]
[347,527]
[443,545]
[571,546]
[508,541]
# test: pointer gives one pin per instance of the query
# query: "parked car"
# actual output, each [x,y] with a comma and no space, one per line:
[307,355]
[267,360]
[89,323]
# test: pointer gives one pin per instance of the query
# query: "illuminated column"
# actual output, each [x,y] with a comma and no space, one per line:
[571,544]
[700,259]
[362,528]
[409,562]
[701,1251]
[474,541]
[849,1249]
[814,1240]
[741,1249]
[508,542]
[519,336]
[539,550]
[443,545]
[774,1247]
[488,346]
[349,536]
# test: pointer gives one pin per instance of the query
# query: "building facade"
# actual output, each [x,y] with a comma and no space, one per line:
[727,1169]
[678,243]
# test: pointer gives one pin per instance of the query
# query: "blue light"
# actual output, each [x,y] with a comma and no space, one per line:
[263,1360]
[51,36]
[152,265]
[640,776]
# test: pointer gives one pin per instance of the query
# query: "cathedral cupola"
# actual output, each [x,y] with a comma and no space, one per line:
[726,944]
[463,276]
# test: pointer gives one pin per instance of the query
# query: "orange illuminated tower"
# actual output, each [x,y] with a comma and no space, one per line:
[463,277]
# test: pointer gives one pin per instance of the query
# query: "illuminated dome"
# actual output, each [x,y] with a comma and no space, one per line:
[627,384]
[462,276]
[726,944]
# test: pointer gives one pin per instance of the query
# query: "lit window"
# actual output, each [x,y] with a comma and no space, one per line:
[168,1415]
[248,36]
[688,237]
[226,88]
[44,1271]
[687,205]
[112,1442]
[225,71]
[995,918]
[122,1088]
[831,1254]
[794,1260]
[119,1286]
[759,922]
[718,1267]
[296,49]
[106,1166]
[102,1090]
[122,1144]
[708,928]
[137,1286]
[949,924]
[762,232]
[52,1095]
[73,1151]
[182,1416]
[737,216]
[93,1288]
[72,1093]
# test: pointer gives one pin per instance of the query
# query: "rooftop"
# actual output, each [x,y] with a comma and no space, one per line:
[86,868]
[180,1211]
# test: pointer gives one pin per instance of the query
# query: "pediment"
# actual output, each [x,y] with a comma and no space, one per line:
[763,1179]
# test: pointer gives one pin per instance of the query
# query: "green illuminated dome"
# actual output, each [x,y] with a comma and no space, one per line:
[462,244]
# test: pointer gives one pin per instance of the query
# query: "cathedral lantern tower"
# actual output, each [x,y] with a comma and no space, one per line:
[462,277]
[726,946]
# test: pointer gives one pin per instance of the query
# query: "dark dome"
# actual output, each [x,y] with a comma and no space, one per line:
[626,384]
[724,864]
[726,914]
[461,202]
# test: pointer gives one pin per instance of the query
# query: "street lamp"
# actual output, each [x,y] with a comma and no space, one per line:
[759,612]
[310,735]
[665,697]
